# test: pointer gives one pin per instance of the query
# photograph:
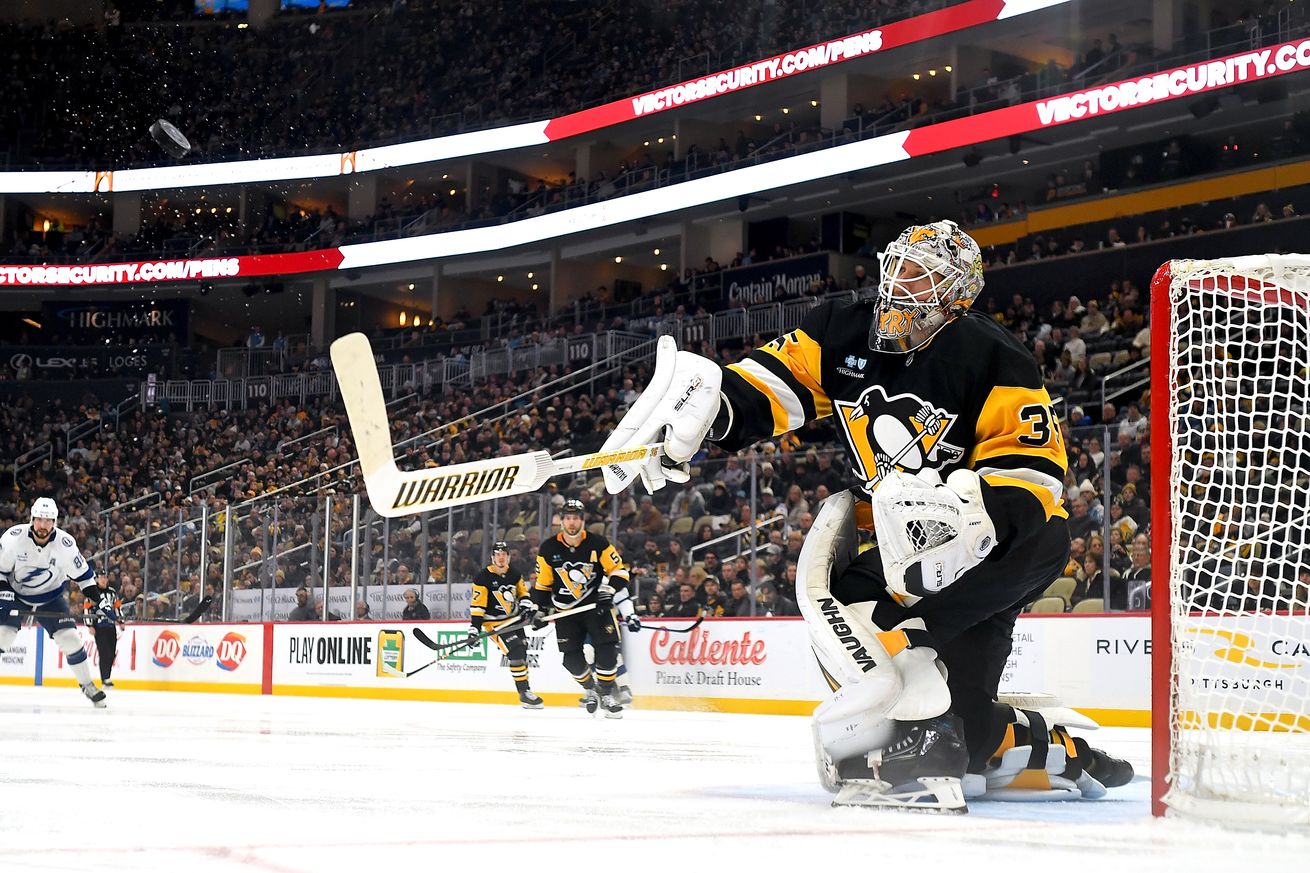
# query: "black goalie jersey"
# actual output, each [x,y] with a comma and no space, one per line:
[972,398]
[569,575]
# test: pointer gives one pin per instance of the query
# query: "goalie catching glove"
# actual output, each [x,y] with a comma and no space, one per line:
[678,407]
[930,533]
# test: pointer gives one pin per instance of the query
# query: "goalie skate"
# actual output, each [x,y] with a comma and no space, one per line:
[920,771]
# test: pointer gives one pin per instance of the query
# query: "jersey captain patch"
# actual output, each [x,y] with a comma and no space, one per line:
[903,432]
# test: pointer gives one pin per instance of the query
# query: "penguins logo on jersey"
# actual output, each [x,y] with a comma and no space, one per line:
[576,575]
[903,432]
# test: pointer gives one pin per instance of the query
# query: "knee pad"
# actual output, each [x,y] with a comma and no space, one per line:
[7,637]
[70,643]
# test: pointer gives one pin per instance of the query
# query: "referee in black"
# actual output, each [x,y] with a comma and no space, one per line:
[103,616]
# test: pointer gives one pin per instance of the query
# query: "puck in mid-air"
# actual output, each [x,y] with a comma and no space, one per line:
[170,139]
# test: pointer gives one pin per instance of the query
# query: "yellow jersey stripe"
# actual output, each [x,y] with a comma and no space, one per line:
[791,404]
[802,357]
[775,407]
[1050,507]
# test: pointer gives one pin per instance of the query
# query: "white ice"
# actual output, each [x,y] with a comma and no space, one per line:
[194,783]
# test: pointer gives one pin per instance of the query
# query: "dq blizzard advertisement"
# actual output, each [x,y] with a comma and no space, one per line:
[183,657]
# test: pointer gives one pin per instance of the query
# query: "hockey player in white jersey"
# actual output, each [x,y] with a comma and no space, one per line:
[36,559]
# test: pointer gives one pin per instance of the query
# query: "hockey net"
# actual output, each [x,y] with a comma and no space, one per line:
[1230,481]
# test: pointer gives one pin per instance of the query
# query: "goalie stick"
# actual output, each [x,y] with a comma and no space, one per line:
[449,649]
[394,493]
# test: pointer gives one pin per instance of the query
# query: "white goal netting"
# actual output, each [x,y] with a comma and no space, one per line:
[1236,482]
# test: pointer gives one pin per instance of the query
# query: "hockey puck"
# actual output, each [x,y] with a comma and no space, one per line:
[169,138]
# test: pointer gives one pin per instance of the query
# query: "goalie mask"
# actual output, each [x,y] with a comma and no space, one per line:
[929,275]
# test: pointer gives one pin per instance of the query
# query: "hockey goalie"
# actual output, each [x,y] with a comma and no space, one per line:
[960,461]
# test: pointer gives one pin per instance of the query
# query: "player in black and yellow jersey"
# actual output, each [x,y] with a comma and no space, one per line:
[499,593]
[958,462]
[577,567]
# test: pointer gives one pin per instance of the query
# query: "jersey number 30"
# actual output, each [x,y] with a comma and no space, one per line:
[1039,418]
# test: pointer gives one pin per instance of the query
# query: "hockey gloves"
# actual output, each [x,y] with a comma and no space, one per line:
[929,533]
[678,407]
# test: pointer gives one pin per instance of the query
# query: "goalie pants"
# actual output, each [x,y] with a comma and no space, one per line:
[972,621]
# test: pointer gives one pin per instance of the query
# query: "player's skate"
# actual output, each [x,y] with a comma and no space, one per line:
[529,699]
[920,770]
[610,706]
[625,695]
[590,701]
[94,694]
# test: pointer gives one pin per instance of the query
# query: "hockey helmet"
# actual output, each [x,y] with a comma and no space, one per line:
[500,546]
[44,507]
[573,507]
[930,274]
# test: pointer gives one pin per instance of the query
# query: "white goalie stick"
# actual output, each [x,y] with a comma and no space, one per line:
[396,493]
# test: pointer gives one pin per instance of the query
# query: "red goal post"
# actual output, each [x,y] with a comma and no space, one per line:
[1230,535]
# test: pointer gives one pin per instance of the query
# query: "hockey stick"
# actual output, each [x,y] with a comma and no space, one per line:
[451,648]
[395,493]
[674,630]
[190,618]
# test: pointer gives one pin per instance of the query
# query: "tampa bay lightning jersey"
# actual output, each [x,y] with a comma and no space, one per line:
[37,573]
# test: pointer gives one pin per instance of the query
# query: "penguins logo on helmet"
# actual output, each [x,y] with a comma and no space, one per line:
[572,507]
[500,546]
[929,275]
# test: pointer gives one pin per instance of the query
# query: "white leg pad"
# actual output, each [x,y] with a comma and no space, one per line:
[7,637]
[875,689]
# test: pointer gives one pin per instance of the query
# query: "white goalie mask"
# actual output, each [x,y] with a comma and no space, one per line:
[929,275]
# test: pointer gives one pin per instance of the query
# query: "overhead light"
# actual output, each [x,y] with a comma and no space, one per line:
[661,140]
[431,322]
[411,286]
[402,319]
[618,259]
[242,26]
[949,68]
[675,136]
[213,210]
[646,142]
[932,72]
[785,110]
[452,192]
[228,210]
[664,266]
[530,274]
[36,324]
[917,77]
[45,225]
[500,278]
[814,103]
[445,176]
[1025,162]
[657,251]
[535,286]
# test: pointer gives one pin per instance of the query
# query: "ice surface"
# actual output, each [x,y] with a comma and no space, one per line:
[192,783]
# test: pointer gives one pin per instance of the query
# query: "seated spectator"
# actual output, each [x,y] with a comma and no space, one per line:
[739,603]
[415,609]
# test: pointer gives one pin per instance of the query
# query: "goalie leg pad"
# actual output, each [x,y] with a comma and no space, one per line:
[1036,760]
[879,677]
[7,637]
